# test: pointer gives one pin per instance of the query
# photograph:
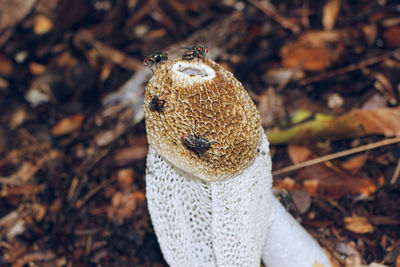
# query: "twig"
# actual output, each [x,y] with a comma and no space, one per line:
[268,9]
[84,40]
[349,68]
[79,203]
[34,256]
[396,174]
[340,154]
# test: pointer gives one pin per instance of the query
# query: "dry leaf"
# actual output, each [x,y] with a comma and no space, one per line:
[311,58]
[380,121]
[42,24]
[279,76]
[329,183]
[125,178]
[36,68]
[122,206]
[24,173]
[355,163]
[286,184]
[6,66]
[12,12]
[330,13]
[67,125]
[359,225]
[127,155]
[298,153]
[374,102]
[355,123]
[17,118]
[392,36]
[302,200]
[271,108]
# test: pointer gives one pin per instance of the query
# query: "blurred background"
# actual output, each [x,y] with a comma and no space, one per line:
[325,76]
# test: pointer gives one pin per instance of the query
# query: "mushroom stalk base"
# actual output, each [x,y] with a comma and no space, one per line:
[224,223]
[288,244]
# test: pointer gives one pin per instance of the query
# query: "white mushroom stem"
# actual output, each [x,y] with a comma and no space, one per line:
[216,209]
[225,223]
[288,244]
[222,223]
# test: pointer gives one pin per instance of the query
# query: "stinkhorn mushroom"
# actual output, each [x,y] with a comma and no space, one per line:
[214,206]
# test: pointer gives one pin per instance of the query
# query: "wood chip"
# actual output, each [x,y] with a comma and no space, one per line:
[359,225]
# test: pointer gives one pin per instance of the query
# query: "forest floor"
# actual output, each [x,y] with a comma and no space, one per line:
[325,76]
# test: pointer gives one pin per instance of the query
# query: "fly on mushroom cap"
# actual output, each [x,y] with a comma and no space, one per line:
[205,94]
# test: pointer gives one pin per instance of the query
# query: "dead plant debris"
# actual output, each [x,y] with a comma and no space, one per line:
[324,75]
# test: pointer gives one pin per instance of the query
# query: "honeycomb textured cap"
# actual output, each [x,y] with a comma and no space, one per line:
[202,99]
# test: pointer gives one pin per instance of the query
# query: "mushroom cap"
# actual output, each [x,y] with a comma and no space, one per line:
[202,99]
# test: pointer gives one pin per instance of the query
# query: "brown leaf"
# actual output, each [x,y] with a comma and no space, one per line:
[380,121]
[310,58]
[125,178]
[12,12]
[374,102]
[392,36]
[298,154]
[127,155]
[271,107]
[302,200]
[67,125]
[354,164]
[329,183]
[286,184]
[330,13]
[17,118]
[23,174]
[6,66]
[359,225]
[42,25]
[122,205]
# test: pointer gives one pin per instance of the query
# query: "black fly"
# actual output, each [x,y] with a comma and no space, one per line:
[195,143]
[154,59]
[157,104]
[198,51]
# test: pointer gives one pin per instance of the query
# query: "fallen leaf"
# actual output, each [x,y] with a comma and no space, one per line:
[355,163]
[42,25]
[6,66]
[374,102]
[359,225]
[280,76]
[298,153]
[392,36]
[330,12]
[310,58]
[67,125]
[25,173]
[271,108]
[12,12]
[122,206]
[127,155]
[17,118]
[355,123]
[286,184]
[328,183]
[302,200]
[125,178]
[36,68]
[384,121]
